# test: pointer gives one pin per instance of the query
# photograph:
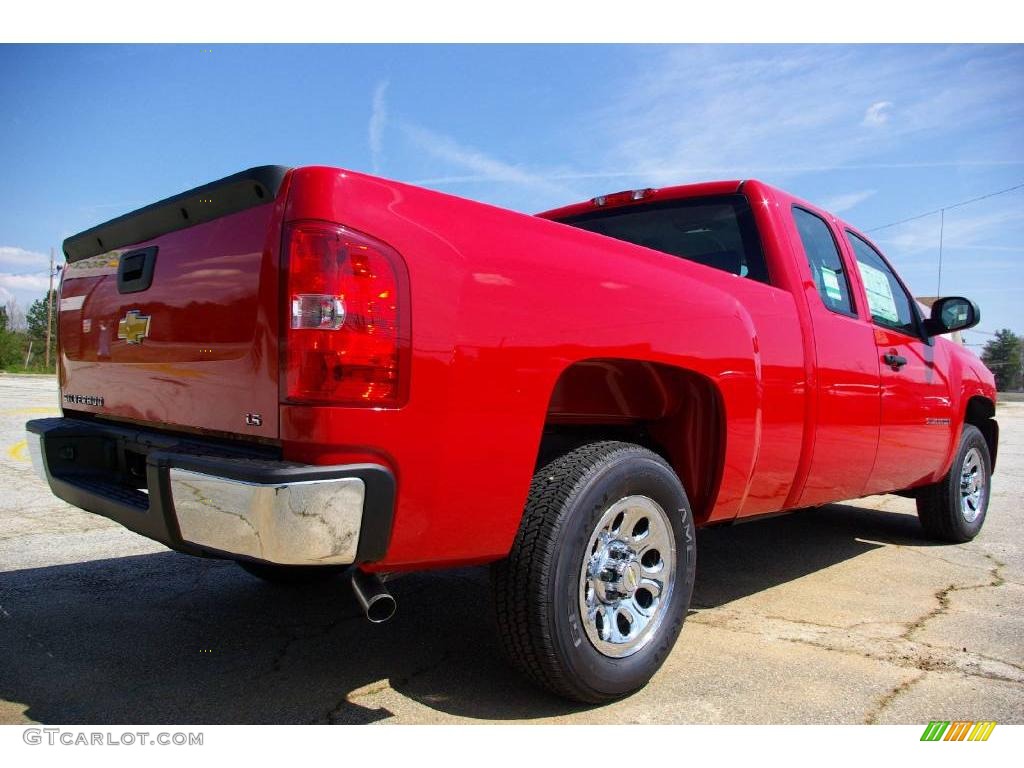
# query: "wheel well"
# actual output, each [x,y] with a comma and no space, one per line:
[674,412]
[981,412]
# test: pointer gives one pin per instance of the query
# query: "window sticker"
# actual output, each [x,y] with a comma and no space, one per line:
[830,279]
[880,298]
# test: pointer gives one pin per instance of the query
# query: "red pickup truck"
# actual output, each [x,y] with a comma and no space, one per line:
[308,370]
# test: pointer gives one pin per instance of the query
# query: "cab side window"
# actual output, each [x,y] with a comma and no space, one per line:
[826,264]
[888,302]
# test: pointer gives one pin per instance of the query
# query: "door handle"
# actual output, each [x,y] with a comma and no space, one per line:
[894,361]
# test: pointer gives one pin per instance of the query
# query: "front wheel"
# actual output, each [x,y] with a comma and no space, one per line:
[594,592]
[954,508]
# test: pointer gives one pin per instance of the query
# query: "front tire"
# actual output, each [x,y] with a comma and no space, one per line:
[954,508]
[593,595]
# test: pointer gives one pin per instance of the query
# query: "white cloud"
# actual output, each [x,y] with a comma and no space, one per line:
[25,282]
[482,166]
[23,289]
[707,171]
[23,275]
[378,119]
[961,230]
[877,114]
[973,261]
[845,202]
[691,113]
[14,259]
[693,109]
[744,110]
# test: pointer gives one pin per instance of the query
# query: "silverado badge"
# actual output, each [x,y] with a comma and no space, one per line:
[133,327]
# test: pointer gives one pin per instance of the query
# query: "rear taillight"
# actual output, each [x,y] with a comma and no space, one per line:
[347,318]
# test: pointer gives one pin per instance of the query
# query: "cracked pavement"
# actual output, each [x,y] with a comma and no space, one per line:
[843,614]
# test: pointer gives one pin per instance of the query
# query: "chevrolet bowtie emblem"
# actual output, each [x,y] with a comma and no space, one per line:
[133,327]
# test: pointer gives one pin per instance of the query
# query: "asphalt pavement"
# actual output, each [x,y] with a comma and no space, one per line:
[843,614]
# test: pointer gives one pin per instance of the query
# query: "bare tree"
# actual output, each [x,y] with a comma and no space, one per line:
[15,317]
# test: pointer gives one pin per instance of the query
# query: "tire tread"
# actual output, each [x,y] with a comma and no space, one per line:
[938,505]
[518,581]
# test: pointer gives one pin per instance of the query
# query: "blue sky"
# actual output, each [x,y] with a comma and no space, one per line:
[875,133]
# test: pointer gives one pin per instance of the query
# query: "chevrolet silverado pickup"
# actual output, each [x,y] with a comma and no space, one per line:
[312,370]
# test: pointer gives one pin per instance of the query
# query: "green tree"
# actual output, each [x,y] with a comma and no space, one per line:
[1002,355]
[35,322]
[10,344]
[35,318]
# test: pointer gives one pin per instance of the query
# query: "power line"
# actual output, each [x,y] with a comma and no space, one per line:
[946,208]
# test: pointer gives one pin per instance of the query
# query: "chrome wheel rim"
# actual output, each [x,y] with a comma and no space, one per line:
[972,485]
[627,576]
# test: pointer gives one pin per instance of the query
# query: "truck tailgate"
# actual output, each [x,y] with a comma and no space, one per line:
[178,329]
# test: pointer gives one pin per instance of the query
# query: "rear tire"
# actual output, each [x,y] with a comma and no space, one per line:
[593,595]
[292,575]
[954,508]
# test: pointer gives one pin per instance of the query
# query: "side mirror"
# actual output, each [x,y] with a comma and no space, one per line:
[952,313]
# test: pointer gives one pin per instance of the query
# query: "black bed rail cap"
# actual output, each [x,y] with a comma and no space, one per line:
[231,194]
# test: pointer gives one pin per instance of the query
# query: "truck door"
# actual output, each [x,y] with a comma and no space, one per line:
[916,414]
[845,417]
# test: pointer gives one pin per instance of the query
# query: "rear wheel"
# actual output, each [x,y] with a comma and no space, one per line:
[594,593]
[954,508]
[290,574]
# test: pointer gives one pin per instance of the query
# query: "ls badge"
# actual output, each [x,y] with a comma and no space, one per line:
[133,327]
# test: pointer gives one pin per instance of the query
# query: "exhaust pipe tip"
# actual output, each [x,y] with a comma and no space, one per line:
[373,597]
[381,608]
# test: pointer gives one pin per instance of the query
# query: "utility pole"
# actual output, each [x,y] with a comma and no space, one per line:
[942,227]
[49,311]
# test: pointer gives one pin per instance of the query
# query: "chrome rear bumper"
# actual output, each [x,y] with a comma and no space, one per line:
[200,497]
[305,523]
